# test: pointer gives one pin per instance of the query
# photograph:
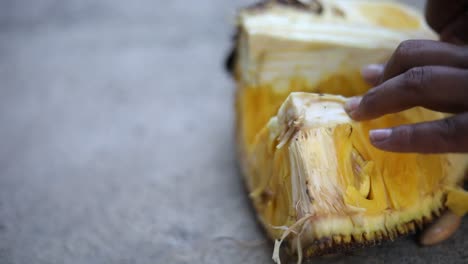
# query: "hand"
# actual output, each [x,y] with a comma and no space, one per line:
[423,73]
[449,19]
[429,74]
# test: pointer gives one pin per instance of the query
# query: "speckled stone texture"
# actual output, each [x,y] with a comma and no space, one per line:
[116,139]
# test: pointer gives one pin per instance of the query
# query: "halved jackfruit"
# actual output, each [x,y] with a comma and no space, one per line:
[314,178]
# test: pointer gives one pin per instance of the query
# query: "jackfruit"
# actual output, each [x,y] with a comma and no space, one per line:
[312,164]
[315,180]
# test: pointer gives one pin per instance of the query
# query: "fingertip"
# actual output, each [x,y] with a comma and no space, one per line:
[351,106]
[384,139]
[372,73]
[378,136]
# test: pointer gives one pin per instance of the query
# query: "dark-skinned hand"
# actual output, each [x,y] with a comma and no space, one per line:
[425,73]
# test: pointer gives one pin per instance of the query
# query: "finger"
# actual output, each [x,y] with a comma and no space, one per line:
[437,88]
[443,228]
[439,13]
[441,136]
[372,73]
[417,53]
[456,32]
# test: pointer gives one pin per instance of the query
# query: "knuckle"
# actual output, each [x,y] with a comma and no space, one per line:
[465,75]
[405,135]
[415,80]
[368,103]
[463,54]
[407,47]
[448,128]
[405,56]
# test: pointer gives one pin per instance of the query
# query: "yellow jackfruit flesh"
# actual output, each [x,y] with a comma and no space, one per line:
[316,182]
[312,162]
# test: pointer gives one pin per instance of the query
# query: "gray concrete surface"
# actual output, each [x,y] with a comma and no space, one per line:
[116,139]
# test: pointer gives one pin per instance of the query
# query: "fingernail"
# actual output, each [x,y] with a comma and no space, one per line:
[372,73]
[378,135]
[352,105]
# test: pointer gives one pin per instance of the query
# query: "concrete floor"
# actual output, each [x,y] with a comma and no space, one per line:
[116,139]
